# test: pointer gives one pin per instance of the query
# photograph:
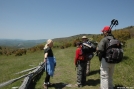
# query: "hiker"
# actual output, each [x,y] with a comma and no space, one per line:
[80,64]
[89,55]
[49,61]
[106,69]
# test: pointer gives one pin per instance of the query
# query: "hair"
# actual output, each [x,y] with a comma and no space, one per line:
[79,43]
[109,31]
[48,42]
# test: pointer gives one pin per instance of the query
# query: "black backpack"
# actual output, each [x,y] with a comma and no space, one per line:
[114,51]
[86,49]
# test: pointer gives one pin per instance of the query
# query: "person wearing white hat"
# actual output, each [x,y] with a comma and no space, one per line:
[84,37]
[88,55]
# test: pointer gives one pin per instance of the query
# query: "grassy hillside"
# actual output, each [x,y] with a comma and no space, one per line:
[9,65]
[65,72]
[129,28]
[72,37]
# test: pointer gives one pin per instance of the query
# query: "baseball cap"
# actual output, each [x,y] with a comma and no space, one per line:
[106,29]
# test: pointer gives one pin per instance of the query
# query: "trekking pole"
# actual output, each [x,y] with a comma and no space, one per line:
[113,22]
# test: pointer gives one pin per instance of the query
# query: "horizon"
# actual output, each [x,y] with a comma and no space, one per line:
[50,19]
[53,38]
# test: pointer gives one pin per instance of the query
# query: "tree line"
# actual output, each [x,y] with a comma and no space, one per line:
[122,35]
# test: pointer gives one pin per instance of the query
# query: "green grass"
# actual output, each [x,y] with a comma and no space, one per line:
[65,72]
[9,65]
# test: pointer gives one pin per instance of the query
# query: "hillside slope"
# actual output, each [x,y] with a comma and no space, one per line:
[129,28]
[65,72]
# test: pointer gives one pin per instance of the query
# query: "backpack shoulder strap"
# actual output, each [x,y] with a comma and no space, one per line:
[108,38]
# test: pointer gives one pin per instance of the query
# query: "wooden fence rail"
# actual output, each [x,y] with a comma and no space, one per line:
[28,77]
[26,70]
[12,80]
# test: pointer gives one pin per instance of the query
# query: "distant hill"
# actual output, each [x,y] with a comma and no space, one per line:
[31,43]
[73,37]
[129,28]
[16,43]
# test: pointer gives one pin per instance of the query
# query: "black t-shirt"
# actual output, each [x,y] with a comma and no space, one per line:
[49,51]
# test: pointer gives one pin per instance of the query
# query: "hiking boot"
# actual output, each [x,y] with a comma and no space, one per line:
[87,74]
[78,85]
[50,84]
[45,86]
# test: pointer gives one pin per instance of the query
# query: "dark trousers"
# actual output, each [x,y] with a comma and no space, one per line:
[81,73]
[47,78]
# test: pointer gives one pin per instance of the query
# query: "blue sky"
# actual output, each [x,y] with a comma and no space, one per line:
[48,19]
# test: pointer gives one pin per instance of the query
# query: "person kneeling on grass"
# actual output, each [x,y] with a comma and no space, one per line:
[80,63]
[49,61]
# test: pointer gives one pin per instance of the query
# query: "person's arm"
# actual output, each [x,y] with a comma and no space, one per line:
[45,57]
[102,45]
[101,48]
[76,56]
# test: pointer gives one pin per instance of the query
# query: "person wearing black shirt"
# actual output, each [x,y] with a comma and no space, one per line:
[49,61]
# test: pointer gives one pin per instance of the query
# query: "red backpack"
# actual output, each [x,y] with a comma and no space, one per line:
[81,56]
